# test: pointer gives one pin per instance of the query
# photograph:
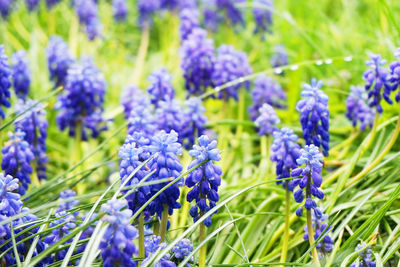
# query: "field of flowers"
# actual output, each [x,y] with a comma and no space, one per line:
[199,133]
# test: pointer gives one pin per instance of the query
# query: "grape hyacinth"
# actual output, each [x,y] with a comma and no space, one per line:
[5,8]
[51,3]
[161,87]
[189,20]
[10,202]
[59,60]
[165,148]
[133,153]
[267,120]
[81,103]
[321,228]
[131,97]
[263,16]
[366,259]
[147,8]
[310,178]
[17,157]
[230,65]
[394,76]
[285,151]
[170,4]
[314,115]
[87,12]
[197,54]
[231,11]
[357,108]
[120,10]
[376,80]
[181,250]
[211,17]
[5,81]
[266,90]
[152,245]
[142,120]
[280,57]
[117,247]
[194,121]
[204,180]
[34,124]
[68,205]
[21,74]
[170,116]
[31,4]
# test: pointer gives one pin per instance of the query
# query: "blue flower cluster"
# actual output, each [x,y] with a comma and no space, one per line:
[358,109]
[59,60]
[394,76]
[230,65]
[117,247]
[376,80]
[170,116]
[189,20]
[5,7]
[194,121]
[5,81]
[17,157]
[132,96]
[165,148]
[146,9]
[161,87]
[263,16]
[120,10]
[314,115]
[10,202]
[205,179]
[31,4]
[321,228]
[310,179]
[21,74]
[51,3]
[141,119]
[285,151]
[34,124]
[232,12]
[197,53]
[68,205]
[87,12]
[181,250]
[81,103]
[267,120]
[366,259]
[280,57]
[266,90]
[211,17]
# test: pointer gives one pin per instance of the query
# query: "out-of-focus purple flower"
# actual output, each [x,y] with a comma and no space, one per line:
[147,9]
[211,17]
[197,53]
[5,81]
[161,87]
[142,120]
[170,116]
[230,65]
[314,115]
[231,11]
[189,20]
[51,3]
[266,90]
[31,4]
[5,8]
[357,108]
[394,77]
[195,121]
[87,12]
[170,4]
[280,56]
[120,10]
[263,16]
[320,228]
[131,97]
[267,120]
[376,80]
[21,74]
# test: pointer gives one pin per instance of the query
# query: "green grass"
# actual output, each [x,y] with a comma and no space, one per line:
[248,228]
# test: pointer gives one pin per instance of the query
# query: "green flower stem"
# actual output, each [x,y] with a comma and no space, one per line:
[80,187]
[285,242]
[311,238]
[380,157]
[203,249]
[241,111]
[142,52]
[164,223]
[264,156]
[141,237]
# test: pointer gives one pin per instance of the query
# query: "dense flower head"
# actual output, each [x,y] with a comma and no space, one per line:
[230,65]
[81,103]
[5,8]
[161,87]
[152,245]
[21,74]
[117,247]
[181,250]
[17,157]
[165,148]
[142,120]
[231,11]
[170,4]
[266,90]
[358,109]
[51,3]
[147,8]
[5,81]
[394,76]
[211,16]
[131,97]
[68,205]
[376,80]
[133,153]
[59,59]
[205,179]
[170,116]
[280,56]
[120,10]
[87,12]
[285,151]
[321,228]
[31,4]
[10,202]
[314,115]
[194,121]
[267,120]
[309,180]
[34,124]
[365,254]
[263,15]
[197,53]
[189,20]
